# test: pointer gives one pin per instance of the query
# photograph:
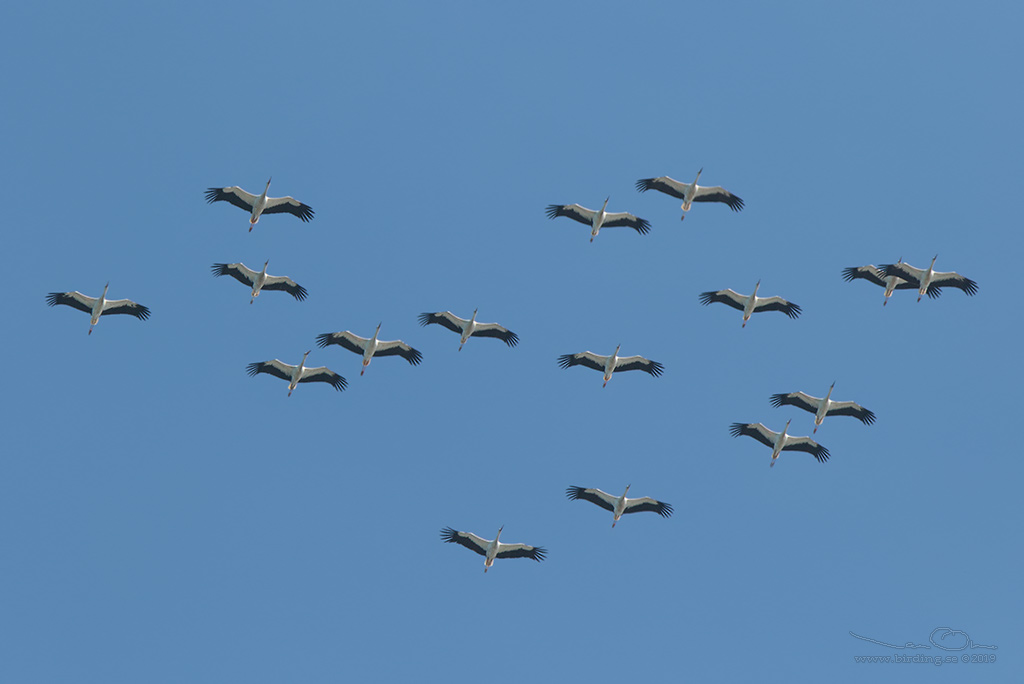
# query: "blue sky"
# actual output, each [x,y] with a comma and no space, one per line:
[166,518]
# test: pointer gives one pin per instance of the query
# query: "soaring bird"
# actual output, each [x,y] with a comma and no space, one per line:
[470,328]
[258,205]
[878,277]
[690,192]
[928,280]
[619,505]
[824,407]
[296,374]
[260,281]
[611,364]
[779,441]
[491,549]
[98,306]
[750,304]
[371,347]
[598,219]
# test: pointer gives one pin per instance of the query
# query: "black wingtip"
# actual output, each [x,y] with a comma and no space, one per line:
[552,210]
[323,340]
[425,318]
[776,400]
[565,360]
[644,184]
[736,429]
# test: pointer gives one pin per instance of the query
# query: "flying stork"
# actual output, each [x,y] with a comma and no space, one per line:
[690,192]
[470,328]
[370,347]
[491,549]
[619,505]
[750,304]
[598,219]
[258,205]
[928,280]
[611,364]
[97,307]
[824,407]
[296,374]
[779,441]
[260,281]
[878,277]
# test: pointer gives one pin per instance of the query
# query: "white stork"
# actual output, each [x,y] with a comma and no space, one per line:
[491,549]
[257,205]
[750,304]
[928,280]
[370,347]
[611,364]
[470,328]
[779,441]
[296,374]
[619,505]
[98,306]
[824,407]
[598,219]
[878,277]
[260,281]
[690,192]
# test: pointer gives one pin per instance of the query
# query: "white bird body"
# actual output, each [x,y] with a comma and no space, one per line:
[750,304]
[611,364]
[296,374]
[468,328]
[467,332]
[368,348]
[600,218]
[748,307]
[259,281]
[493,548]
[98,306]
[929,281]
[619,505]
[821,408]
[779,441]
[690,192]
[257,205]
[878,277]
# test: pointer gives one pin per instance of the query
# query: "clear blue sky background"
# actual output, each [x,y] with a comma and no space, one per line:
[165,518]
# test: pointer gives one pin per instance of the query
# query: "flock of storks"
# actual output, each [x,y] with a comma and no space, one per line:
[898,276]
